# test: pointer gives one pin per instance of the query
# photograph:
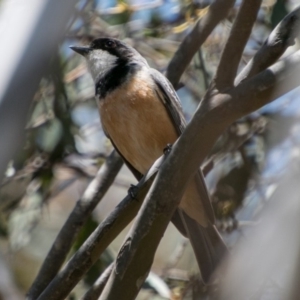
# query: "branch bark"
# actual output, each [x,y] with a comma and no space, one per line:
[279,40]
[263,88]
[99,240]
[217,11]
[235,44]
[136,255]
[95,291]
[84,207]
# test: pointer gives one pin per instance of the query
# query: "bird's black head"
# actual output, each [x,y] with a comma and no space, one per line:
[104,54]
[115,47]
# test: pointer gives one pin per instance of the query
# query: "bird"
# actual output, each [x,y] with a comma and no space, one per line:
[141,114]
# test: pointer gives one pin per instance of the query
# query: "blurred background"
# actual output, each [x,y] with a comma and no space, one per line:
[64,146]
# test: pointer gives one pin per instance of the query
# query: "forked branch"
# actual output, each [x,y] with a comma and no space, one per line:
[235,44]
[217,11]
[215,113]
[278,41]
[67,235]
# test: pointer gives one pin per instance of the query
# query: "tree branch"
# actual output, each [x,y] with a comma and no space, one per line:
[217,11]
[95,291]
[218,109]
[84,207]
[235,44]
[99,240]
[279,40]
[136,255]
[265,87]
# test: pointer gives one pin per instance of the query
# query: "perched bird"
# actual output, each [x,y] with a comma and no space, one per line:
[141,113]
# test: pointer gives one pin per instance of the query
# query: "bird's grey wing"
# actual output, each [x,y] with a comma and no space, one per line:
[171,101]
[169,97]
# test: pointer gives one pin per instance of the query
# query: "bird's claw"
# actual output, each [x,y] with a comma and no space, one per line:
[132,191]
[167,149]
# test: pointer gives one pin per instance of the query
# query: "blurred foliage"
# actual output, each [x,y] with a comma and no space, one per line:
[279,11]
[63,130]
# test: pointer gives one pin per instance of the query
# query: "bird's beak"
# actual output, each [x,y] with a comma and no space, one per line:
[81,50]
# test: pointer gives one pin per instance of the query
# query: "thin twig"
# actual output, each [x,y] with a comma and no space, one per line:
[279,40]
[217,11]
[95,291]
[84,207]
[235,44]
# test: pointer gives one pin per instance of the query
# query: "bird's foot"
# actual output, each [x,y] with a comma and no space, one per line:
[132,191]
[167,149]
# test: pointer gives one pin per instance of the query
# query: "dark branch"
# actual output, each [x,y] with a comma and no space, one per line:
[217,11]
[99,240]
[279,40]
[235,44]
[84,207]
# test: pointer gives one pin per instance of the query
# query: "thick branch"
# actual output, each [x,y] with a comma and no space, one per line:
[236,42]
[217,11]
[99,240]
[136,255]
[84,207]
[221,111]
[279,40]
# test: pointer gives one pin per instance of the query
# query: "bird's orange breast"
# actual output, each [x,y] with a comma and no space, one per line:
[137,122]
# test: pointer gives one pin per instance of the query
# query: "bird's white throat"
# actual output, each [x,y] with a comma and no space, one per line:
[100,62]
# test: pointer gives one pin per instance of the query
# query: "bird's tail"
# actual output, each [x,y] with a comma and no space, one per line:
[207,244]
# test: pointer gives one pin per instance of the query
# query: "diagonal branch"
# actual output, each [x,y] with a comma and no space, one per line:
[84,207]
[217,11]
[137,253]
[99,240]
[235,44]
[279,40]
[95,291]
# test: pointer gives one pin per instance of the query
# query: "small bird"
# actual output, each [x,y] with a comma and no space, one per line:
[141,114]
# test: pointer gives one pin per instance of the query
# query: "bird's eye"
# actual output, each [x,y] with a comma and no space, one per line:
[110,44]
